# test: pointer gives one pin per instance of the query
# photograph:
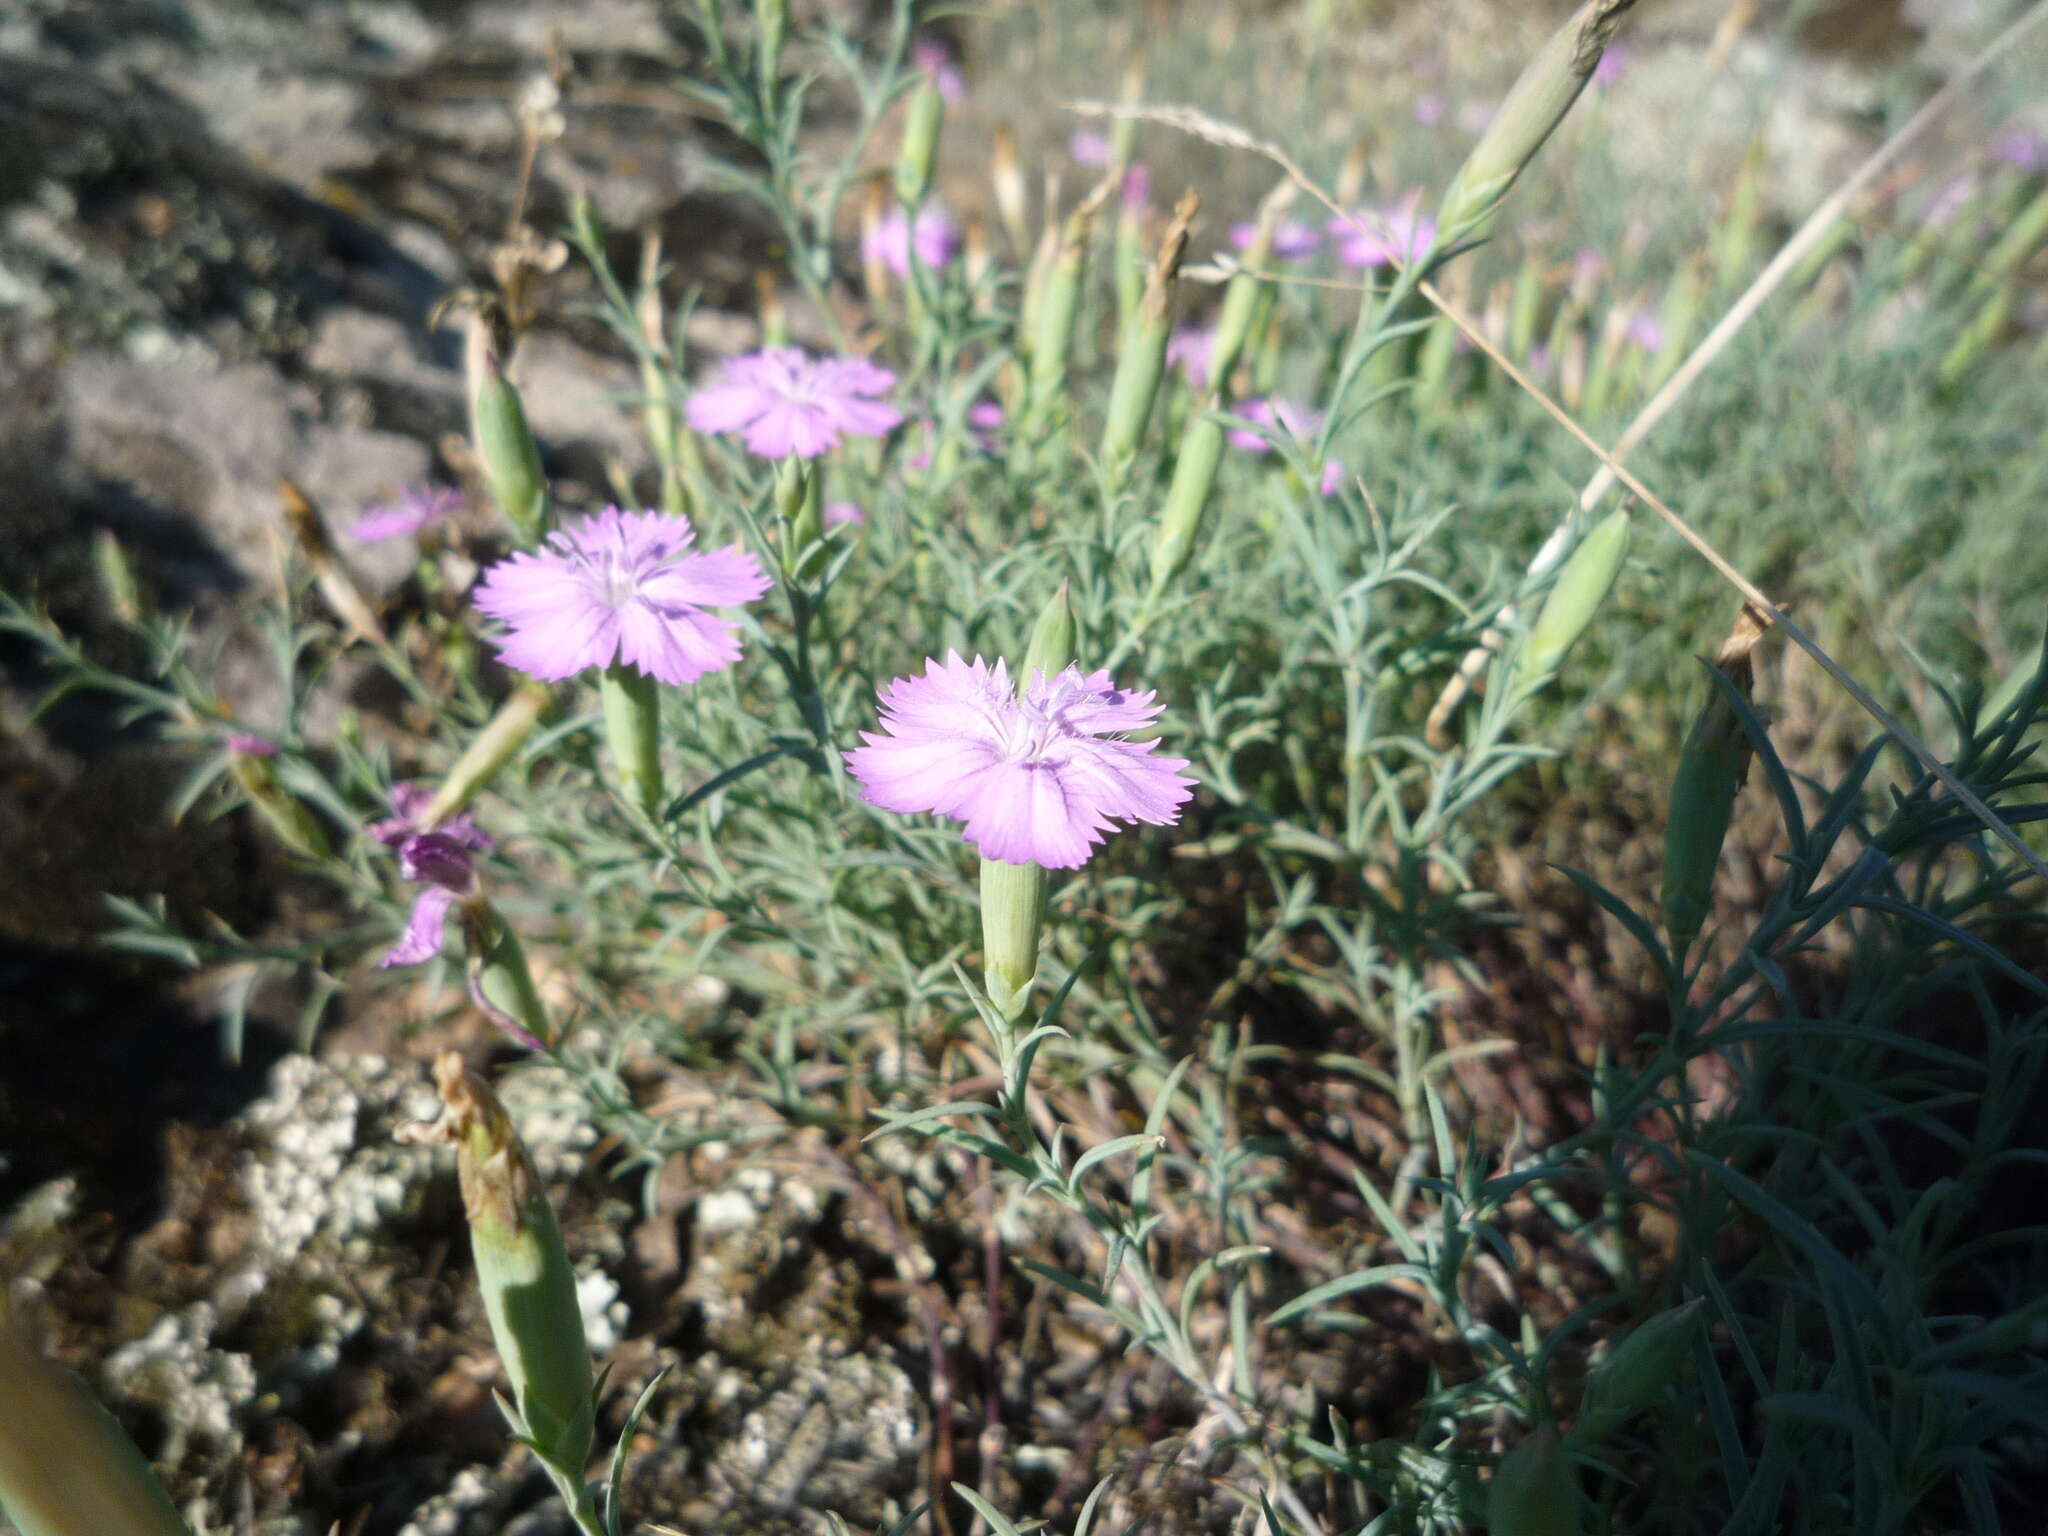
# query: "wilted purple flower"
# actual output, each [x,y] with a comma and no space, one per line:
[1291,241]
[935,235]
[620,586]
[843,514]
[936,60]
[251,746]
[789,404]
[1612,66]
[439,861]
[2016,146]
[415,507]
[409,802]
[1297,421]
[1190,349]
[1384,238]
[1087,146]
[1037,780]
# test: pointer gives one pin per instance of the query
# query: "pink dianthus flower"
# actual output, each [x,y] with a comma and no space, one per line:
[789,404]
[1038,779]
[1190,350]
[984,432]
[934,234]
[1291,241]
[936,60]
[1137,187]
[844,514]
[2016,146]
[620,586]
[415,507]
[1641,329]
[1297,422]
[1384,238]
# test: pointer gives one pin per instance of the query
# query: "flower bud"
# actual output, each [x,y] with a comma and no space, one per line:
[66,1468]
[977,258]
[1052,332]
[330,577]
[117,577]
[1525,309]
[768,305]
[922,120]
[1351,176]
[1711,770]
[1573,599]
[874,272]
[1006,175]
[296,826]
[632,728]
[1142,360]
[2018,241]
[491,749]
[771,21]
[1731,250]
[1533,107]
[522,1269]
[500,982]
[1636,1372]
[1533,1492]
[1127,262]
[1051,648]
[1012,911]
[1123,130]
[1433,362]
[803,528]
[586,223]
[504,443]
[1038,271]
[1984,330]
[1187,499]
[657,410]
[1677,317]
[1234,321]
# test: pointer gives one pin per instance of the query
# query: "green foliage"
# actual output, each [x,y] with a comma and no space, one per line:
[1797,1324]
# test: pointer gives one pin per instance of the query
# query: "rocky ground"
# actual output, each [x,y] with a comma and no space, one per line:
[224,226]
